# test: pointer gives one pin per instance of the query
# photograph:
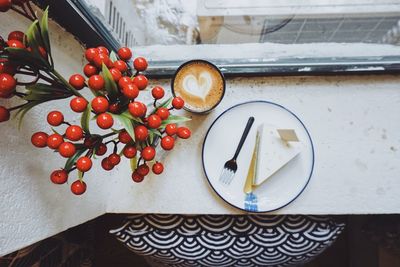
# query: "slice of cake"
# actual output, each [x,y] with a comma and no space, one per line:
[277,148]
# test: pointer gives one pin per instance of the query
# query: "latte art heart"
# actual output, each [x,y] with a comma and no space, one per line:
[198,86]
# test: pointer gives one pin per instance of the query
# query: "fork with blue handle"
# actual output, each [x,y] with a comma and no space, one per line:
[230,167]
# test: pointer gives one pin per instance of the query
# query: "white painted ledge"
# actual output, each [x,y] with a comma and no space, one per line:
[354,123]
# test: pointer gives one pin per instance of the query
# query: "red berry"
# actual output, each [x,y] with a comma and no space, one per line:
[106,164]
[178,102]
[42,52]
[84,164]
[114,159]
[114,108]
[74,133]
[90,70]
[140,64]
[124,81]
[5,5]
[90,53]
[96,82]
[129,151]
[78,104]
[59,176]
[103,50]
[167,142]
[77,81]
[157,168]
[124,53]
[136,177]
[105,121]
[67,149]
[15,44]
[39,139]
[16,35]
[183,132]
[163,113]
[130,91]
[54,141]
[90,141]
[4,114]
[7,67]
[7,83]
[140,81]
[100,104]
[55,118]
[101,150]
[154,121]
[171,129]
[141,133]
[78,187]
[143,169]
[116,74]
[148,153]
[157,92]
[137,109]
[101,58]
[6,95]
[120,65]
[124,137]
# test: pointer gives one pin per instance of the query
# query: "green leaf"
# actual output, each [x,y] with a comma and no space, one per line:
[151,137]
[22,111]
[44,96]
[23,57]
[133,162]
[113,56]
[44,28]
[33,35]
[54,131]
[127,123]
[42,87]
[71,161]
[85,119]
[174,119]
[129,116]
[110,85]
[156,132]
[166,103]
[39,96]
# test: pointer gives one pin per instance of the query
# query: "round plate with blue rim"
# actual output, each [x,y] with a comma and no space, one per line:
[220,143]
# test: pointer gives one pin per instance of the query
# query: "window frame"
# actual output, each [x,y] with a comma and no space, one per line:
[92,32]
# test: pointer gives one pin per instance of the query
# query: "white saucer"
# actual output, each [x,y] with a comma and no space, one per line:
[220,144]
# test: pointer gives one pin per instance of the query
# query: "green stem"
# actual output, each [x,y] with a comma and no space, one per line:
[72,169]
[22,13]
[31,10]
[66,83]
[17,107]
[110,134]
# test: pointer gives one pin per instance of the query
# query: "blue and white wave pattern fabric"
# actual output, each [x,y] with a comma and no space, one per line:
[223,240]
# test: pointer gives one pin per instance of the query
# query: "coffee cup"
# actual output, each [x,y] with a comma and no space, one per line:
[200,84]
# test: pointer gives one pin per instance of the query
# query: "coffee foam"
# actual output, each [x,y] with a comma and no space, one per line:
[200,85]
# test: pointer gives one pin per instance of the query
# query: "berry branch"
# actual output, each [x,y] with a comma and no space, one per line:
[115,100]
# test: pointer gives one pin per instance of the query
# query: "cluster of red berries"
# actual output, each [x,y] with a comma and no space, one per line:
[140,146]
[115,80]
[8,83]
